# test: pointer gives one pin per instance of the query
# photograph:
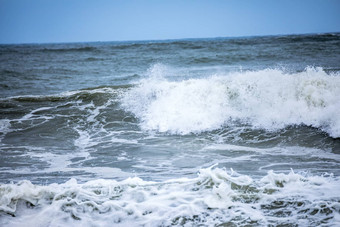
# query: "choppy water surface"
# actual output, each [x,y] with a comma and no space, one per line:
[212,132]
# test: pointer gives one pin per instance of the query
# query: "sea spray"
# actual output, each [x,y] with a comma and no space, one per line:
[269,99]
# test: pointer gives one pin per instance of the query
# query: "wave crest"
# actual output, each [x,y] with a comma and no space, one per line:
[270,99]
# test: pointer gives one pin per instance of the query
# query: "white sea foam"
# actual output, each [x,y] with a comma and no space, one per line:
[216,196]
[270,99]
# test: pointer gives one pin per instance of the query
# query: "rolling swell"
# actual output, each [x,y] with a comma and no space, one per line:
[83,94]
[56,110]
[69,117]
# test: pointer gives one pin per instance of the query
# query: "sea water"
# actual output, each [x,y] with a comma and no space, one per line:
[196,132]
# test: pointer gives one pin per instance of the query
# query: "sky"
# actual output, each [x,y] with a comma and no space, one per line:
[54,21]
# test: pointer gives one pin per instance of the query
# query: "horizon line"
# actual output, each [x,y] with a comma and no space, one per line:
[170,39]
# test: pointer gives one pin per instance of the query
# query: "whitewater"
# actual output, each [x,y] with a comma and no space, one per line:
[198,132]
[268,99]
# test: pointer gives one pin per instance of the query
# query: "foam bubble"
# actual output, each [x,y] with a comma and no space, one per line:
[270,99]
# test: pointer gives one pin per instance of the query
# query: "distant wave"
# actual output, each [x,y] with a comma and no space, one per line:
[269,99]
[93,59]
[6,72]
[158,45]
[74,49]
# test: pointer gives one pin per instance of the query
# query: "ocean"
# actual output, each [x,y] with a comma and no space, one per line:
[238,131]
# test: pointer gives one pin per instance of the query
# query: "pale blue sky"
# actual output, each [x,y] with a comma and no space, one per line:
[40,21]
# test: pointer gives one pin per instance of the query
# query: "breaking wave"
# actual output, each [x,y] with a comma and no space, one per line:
[269,99]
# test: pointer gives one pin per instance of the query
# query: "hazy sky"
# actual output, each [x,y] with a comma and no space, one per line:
[27,21]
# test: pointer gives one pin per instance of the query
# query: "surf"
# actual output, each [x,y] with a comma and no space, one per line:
[216,196]
[269,99]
